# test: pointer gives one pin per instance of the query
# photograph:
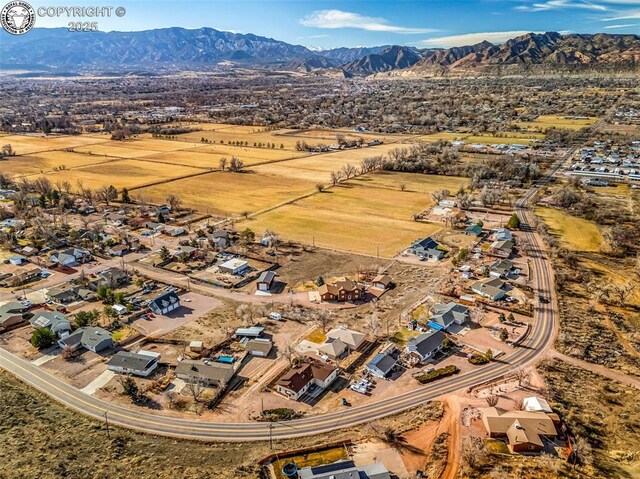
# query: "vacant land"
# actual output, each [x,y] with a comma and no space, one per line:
[546,122]
[122,174]
[25,145]
[575,233]
[48,161]
[328,227]
[231,193]
[319,167]
[419,183]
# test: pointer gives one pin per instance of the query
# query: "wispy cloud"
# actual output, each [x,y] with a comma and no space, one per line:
[472,38]
[626,25]
[340,19]
[562,5]
[624,15]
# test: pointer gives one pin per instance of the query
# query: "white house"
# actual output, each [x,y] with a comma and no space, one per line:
[165,303]
[234,266]
[295,383]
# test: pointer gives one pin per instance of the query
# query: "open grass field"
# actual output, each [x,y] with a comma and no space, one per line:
[231,193]
[226,136]
[46,161]
[546,122]
[425,184]
[340,230]
[250,154]
[361,219]
[508,137]
[25,145]
[575,233]
[121,174]
[318,167]
[329,136]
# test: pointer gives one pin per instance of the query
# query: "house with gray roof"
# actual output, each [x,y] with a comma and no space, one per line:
[165,303]
[426,345]
[427,248]
[492,288]
[142,363]
[92,338]
[381,365]
[211,373]
[444,315]
[345,470]
[12,313]
[55,321]
[501,268]
[70,256]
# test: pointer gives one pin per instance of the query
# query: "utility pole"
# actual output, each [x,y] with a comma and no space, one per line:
[106,420]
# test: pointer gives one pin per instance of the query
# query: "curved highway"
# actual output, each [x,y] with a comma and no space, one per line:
[540,338]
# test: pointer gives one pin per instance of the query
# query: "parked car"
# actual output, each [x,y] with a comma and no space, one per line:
[275,316]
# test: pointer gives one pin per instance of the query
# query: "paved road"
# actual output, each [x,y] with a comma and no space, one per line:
[540,339]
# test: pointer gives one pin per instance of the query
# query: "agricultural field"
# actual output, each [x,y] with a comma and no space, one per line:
[575,233]
[249,154]
[48,161]
[122,174]
[507,137]
[546,122]
[25,145]
[425,184]
[226,136]
[318,168]
[231,193]
[352,217]
[329,136]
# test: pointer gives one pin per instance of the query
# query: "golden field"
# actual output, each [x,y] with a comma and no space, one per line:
[425,184]
[121,174]
[318,167]
[358,216]
[26,145]
[48,161]
[575,233]
[231,193]
[546,122]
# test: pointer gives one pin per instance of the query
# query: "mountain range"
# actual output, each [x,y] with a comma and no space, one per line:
[174,49]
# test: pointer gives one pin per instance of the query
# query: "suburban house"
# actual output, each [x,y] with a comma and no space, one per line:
[426,345]
[345,470]
[174,231]
[382,281]
[345,290]
[20,276]
[70,257]
[473,230]
[142,363]
[165,303]
[426,248]
[340,342]
[28,250]
[492,288]
[265,281]
[524,430]
[70,293]
[220,239]
[260,347]
[502,248]
[111,277]
[298,380]
[52,320]
[501,234]
[233,266]
[444,315]
[118,250]
[12,313]
[92,338]
[18,260]
[501,268]
[210,373]
[381,365]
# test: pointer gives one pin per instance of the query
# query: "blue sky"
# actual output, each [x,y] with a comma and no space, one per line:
[327,24]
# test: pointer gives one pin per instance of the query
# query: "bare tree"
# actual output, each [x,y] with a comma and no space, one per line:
[523,376]
[174,202]
[195,386]
[492,399]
